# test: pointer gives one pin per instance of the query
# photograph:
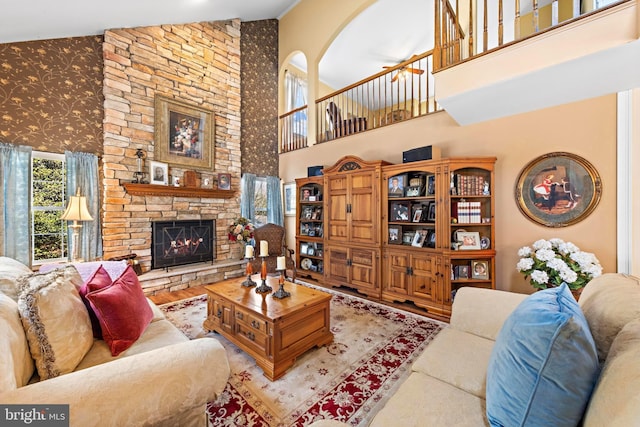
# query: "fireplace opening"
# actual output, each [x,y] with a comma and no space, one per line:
[182,242]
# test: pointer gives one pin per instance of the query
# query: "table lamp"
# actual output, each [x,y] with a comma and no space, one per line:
[76,211]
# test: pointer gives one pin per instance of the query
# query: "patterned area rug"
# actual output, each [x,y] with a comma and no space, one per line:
[348,380]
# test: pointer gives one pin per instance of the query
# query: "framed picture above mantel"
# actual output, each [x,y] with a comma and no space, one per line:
[184,134]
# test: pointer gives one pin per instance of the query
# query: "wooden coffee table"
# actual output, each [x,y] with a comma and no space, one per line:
[273,331]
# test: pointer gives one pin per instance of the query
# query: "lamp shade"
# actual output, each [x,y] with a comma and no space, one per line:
[77,210]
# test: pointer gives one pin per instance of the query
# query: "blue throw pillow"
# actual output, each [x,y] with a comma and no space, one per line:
[544,364]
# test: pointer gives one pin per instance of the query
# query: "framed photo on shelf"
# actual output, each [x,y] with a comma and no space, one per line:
[159,173]
[468,240]
[304,248]
[431,212]
[431,185]
[397,184]
[462,271]
[224,181]
[400,212]
[417,215]
[480,270]
[419,238]
[395,235]
[307,212]
[304,229]
[289,195]
[183,134]
[307,194]
[431,239]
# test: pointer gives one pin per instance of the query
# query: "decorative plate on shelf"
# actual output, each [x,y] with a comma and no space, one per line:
[306,264]
[485,242]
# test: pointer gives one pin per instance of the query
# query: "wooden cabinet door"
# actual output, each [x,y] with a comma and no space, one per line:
[336,265]
[336,227]
[424,276]
[364,207]
[397,274]
[364,270]
[222,313]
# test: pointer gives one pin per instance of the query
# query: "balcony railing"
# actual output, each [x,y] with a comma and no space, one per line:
[475,27]
[399,93]
[293,127]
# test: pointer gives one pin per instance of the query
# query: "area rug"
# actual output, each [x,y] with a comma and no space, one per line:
[348,380]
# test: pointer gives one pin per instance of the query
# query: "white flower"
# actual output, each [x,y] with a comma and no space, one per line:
[554,261]
[545,254]
[556,264]
[568,275]
[540,277]
[524,251]
[525,264]
[541,244]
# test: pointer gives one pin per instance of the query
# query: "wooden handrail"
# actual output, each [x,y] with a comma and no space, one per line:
[288,113]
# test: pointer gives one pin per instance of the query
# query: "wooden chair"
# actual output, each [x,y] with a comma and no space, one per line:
[342,127]
[274,235]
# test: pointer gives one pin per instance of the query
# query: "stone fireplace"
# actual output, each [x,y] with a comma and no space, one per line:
[198,64]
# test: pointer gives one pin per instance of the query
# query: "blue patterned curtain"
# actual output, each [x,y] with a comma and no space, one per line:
[247,196]
[15,181]
[82,174]
[274,201]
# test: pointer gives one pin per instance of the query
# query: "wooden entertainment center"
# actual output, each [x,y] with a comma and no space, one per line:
[418,243]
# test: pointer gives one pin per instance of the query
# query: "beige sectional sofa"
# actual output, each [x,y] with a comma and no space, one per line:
[448,381]
[163,379]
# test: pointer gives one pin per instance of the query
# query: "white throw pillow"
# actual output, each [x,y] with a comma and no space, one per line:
[55,320]
[16,364]
[10,270]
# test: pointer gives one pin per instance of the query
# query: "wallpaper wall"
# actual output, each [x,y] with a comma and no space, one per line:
[259,94]
[51,94]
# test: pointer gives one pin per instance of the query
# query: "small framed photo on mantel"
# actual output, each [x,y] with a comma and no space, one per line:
[224,181]
[159,173]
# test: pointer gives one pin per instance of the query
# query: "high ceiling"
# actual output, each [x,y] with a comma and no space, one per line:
[50,19]
[386,33]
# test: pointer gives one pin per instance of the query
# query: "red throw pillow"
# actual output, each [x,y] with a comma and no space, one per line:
[98,280]
[123,311]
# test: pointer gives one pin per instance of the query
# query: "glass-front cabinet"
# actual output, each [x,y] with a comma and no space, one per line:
[310,228]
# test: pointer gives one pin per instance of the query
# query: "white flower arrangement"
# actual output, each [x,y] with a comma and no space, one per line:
[551,262]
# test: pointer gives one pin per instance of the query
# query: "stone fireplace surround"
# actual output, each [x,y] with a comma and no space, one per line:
[195,63]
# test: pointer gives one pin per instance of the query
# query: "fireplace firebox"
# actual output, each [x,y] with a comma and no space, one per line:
[182,242]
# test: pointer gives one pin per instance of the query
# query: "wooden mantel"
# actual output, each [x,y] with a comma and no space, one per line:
[166,190]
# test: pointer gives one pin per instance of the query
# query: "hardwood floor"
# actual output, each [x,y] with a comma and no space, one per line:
[167,297]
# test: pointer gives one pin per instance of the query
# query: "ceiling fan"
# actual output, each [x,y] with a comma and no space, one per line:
[403,72]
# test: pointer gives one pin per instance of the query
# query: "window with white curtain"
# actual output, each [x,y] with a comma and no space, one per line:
[295,89]
[48,231]
[260,201]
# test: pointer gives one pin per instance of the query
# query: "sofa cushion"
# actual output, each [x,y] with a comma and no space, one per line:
[157,335]
[55,320]
[609,302]
[122,310]
[615,400]
[10,270]
[544,363]
[442,359]
[98,280]
[425,401]
[16,364]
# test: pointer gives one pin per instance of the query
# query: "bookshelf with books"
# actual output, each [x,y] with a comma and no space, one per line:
[437,229]
[310,228]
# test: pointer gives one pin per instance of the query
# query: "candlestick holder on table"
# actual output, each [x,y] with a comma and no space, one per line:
[263,275]
[281,293]
[248,281]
